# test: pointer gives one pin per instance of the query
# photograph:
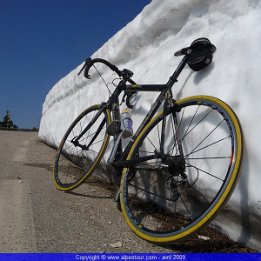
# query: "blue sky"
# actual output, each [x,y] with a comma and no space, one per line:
[43,40]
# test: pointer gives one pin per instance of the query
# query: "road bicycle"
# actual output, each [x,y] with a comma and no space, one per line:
[179,167]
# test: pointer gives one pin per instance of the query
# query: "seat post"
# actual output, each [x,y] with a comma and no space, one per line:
[177,72]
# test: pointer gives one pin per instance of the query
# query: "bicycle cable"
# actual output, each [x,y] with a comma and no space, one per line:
[106,84]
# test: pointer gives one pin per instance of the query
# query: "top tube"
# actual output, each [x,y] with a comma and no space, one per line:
[158,87]
[145,87]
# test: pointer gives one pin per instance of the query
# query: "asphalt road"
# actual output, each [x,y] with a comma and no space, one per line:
[35,217]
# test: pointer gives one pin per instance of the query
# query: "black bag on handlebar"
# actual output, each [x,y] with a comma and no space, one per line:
[201,54]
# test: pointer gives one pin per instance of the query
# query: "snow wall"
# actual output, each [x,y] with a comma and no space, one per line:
[146,46]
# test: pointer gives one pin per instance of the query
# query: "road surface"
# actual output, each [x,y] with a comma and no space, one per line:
[35,217]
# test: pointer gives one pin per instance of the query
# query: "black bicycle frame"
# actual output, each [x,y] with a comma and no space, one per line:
[165,95]
[113,104]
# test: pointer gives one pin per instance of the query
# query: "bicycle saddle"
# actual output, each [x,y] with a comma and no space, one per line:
[197,45]
[199,53]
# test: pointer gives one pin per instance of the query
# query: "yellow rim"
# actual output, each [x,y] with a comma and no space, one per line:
[223,197]
[97,161]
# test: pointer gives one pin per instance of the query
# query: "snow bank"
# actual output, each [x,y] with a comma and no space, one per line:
[146,46]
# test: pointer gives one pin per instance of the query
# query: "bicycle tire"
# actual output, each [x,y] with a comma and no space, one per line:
[74,164]
[169,208]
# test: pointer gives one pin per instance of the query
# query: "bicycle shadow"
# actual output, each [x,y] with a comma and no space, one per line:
[243,184]
[198,77]
[81,194]
[179,93]
[95,188]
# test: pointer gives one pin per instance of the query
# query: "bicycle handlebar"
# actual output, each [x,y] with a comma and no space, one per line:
[90,62]
[126,74]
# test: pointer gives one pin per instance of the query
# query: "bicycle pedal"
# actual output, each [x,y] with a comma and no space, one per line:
[114,127]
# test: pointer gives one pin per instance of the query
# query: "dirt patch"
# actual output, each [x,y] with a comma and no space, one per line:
[207,240]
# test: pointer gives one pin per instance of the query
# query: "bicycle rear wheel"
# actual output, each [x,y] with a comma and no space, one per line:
[81,148]
[171,196]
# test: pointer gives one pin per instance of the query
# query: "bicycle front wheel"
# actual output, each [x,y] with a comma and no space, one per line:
[191,173]
[81,148]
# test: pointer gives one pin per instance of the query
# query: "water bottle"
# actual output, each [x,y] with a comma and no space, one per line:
[126,123]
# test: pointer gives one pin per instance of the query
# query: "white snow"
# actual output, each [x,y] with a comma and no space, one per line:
[146,46]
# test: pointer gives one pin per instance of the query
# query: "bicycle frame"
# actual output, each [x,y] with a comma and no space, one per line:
[169,105]
[113,104]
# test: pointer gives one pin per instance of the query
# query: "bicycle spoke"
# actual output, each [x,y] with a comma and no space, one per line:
[188,132]
[214,158]
[192,120]
[97,142]
[190,178]
[151,193]
[206,172]
[207,146]
[76,161]
[183,202]
[151,143]
[206,138]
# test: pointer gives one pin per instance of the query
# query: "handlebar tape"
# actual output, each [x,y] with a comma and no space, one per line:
[89,63]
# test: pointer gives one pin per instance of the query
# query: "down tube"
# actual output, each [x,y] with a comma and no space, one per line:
[146,120]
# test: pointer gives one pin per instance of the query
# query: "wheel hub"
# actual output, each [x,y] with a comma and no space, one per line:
[176,165]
